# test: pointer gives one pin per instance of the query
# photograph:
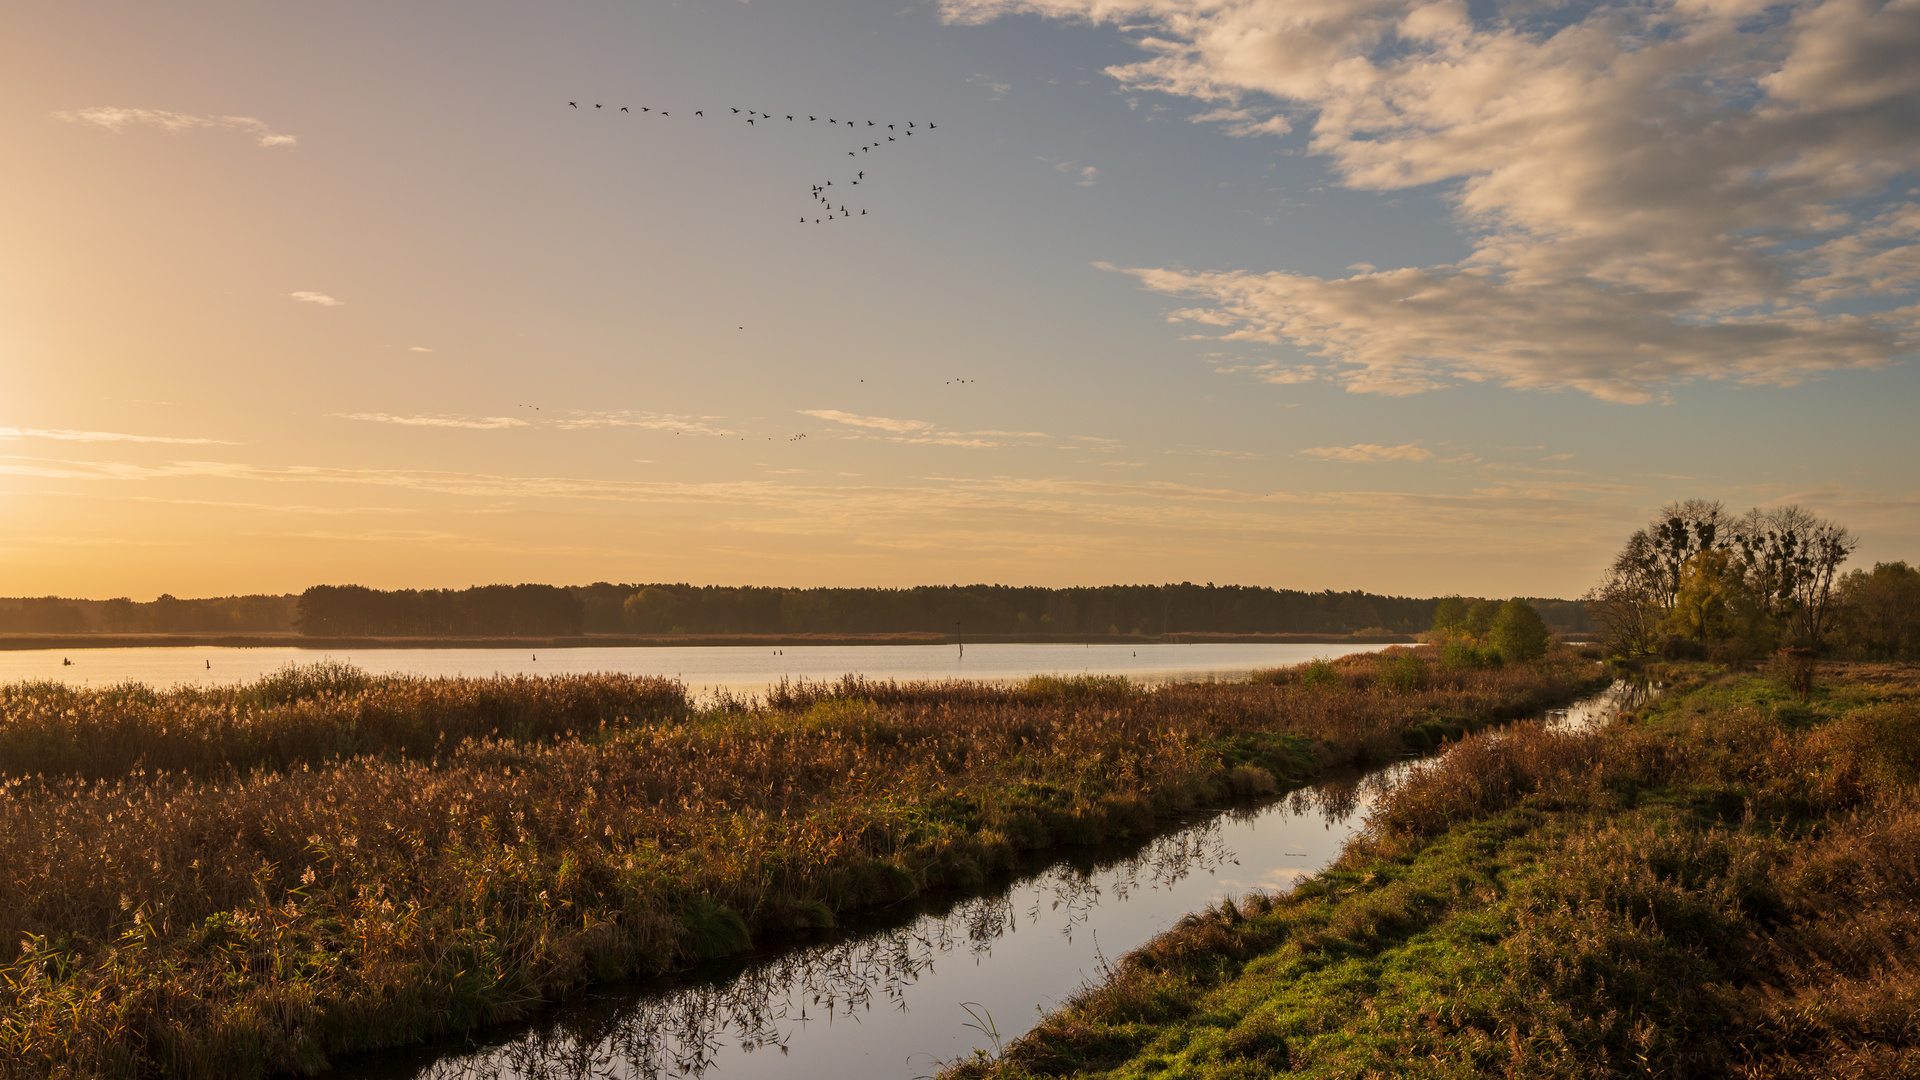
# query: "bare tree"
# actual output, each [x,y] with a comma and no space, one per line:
[1791,559]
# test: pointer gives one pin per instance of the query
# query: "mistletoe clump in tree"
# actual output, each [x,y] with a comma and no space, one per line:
[1699,582]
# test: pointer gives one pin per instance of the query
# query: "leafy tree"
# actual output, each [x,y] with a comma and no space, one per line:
[1519,632]
[1450,613]
[1481,617]
[1880,610]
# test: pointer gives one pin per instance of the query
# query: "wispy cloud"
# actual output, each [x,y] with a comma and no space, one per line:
[102,436]
[116,119]
[485,423]
[316,298]
[651,421]
[882,423]
[1365,452]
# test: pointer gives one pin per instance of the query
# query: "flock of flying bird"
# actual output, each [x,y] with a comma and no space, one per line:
[827,207]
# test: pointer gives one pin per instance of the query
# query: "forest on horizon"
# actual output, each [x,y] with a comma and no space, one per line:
[659,608]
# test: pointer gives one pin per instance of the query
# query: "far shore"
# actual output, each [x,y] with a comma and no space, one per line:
[642,641]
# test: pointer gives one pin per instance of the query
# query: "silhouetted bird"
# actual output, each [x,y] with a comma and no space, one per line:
[813,118]
[699,112]
[909,123]
[863,213]
[789,117]
[861,175]
[736,110]
[575,104]
[643,108]
[869,123]
[749,120]
[623,108]
[889,138]
[930,127]
[849,153]
[596,106]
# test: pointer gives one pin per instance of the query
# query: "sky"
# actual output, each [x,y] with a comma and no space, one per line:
[1412,297]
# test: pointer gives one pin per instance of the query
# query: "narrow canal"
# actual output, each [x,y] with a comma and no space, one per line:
[894,997]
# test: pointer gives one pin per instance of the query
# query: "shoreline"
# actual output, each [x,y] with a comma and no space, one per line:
[23,642]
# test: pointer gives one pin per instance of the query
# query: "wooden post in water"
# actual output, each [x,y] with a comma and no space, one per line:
[959,640]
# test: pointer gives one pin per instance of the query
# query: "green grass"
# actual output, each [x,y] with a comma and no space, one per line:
[1727,885]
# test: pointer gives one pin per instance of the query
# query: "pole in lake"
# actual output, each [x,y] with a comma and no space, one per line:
[958,640]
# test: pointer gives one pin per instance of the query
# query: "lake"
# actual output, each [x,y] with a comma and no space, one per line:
[704,669]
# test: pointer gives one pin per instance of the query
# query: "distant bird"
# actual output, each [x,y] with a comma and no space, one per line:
[789,117]
[889,127]
[813,118]
[930,127]
[863,213]
[861,175]
[65,662]
[575,104]
[889,138]
[749,120]
[803,221]
[699,112]
[664,112]
[849,153]
[869,123]
[909,123]
[596,106]
[643,108]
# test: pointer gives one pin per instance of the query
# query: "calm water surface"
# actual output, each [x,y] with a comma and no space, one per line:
[893,1000]
[737,669]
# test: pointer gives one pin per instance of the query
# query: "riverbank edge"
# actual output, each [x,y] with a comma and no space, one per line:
[1411,950]
[23,642]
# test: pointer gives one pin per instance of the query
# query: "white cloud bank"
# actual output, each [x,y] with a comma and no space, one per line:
[1656,191]
[322,299]
[116,119]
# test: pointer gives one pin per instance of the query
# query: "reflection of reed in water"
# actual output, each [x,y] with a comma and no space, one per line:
[684,1031]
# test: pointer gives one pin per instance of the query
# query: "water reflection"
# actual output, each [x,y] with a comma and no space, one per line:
[686,1031]
[893,1001]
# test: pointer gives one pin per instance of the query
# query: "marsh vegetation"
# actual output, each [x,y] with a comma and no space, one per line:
[237,882]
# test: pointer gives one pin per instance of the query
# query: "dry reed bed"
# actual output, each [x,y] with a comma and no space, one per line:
[1731,888]
[304,715]
[229,925]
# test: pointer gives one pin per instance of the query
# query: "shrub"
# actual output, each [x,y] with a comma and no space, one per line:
[1519,633]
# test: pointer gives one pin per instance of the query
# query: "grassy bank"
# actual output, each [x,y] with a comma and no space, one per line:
[231,883]
[1725,885]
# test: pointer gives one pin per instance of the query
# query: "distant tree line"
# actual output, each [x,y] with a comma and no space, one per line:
[1698,581]
[1001,609]
[484,610]
[607,608]
[165,615]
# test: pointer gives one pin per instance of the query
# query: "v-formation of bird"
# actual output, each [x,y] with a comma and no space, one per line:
[828,208]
